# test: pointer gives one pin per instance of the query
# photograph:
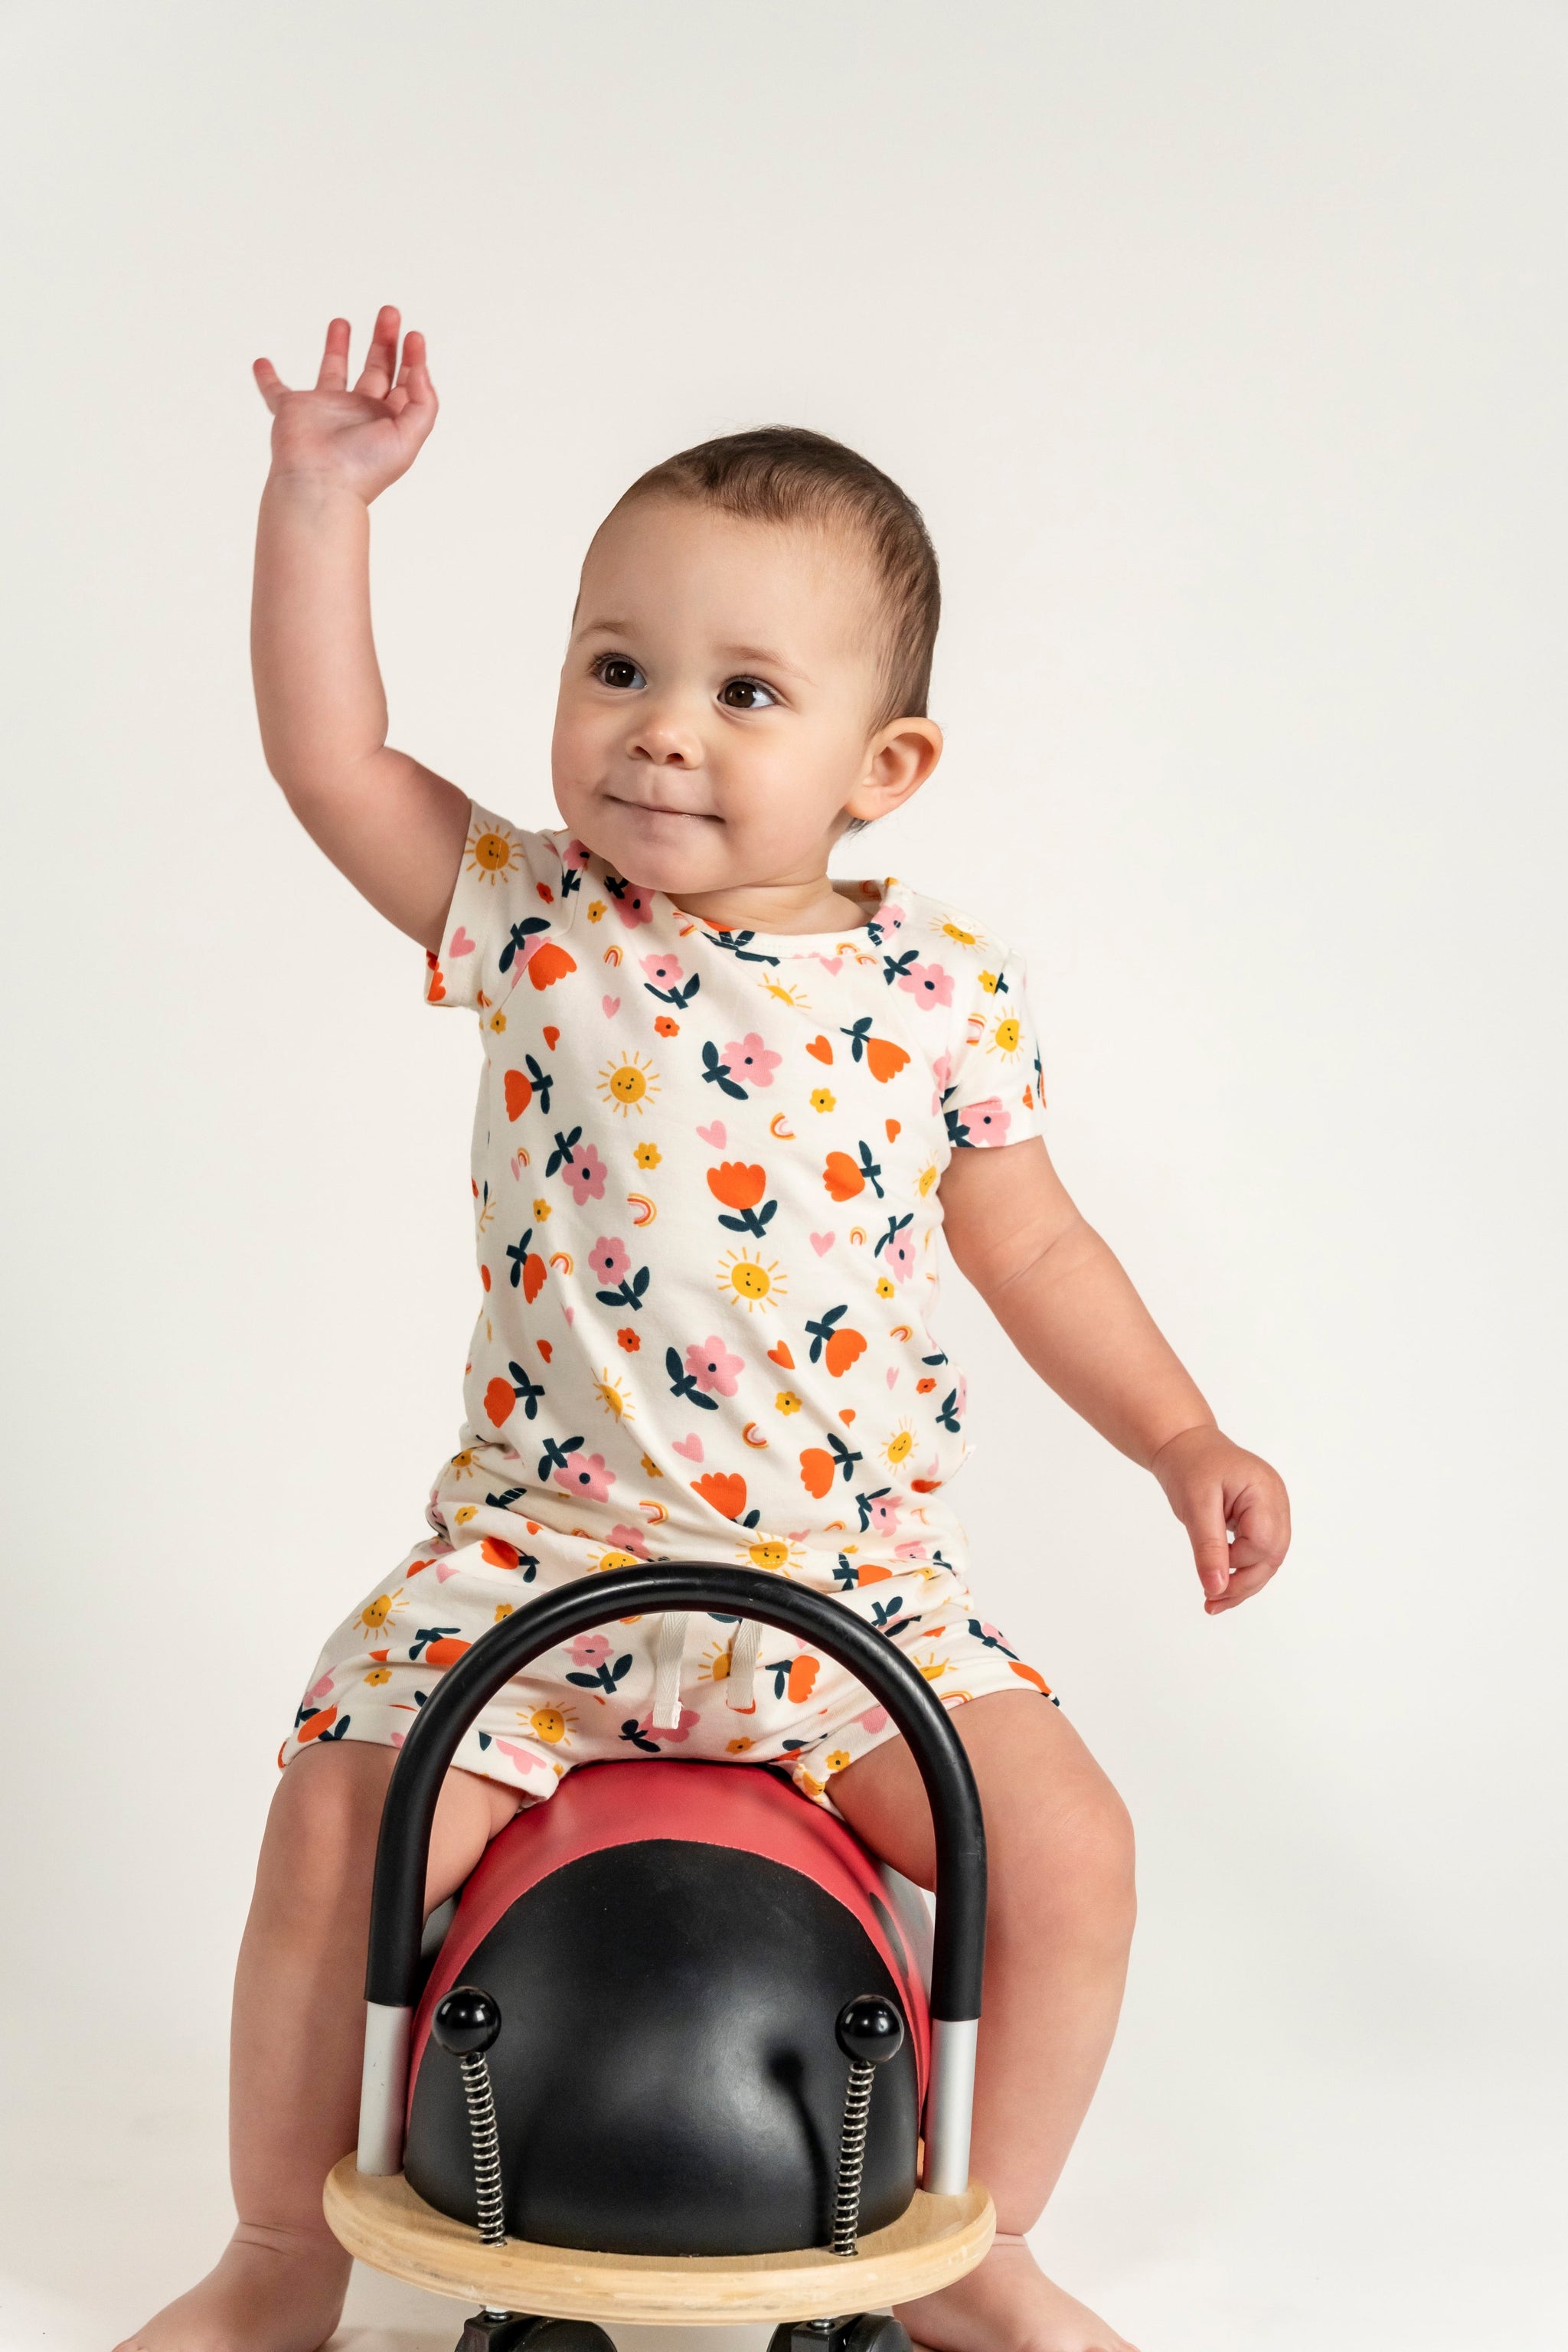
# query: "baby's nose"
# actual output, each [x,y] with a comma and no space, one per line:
[662,738]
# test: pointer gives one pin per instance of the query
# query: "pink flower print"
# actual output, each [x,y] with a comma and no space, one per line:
[882,1519]
[664,970]
[585,1172]
[533,1766]
[631,1539]
[875,1719]
[748,1059]
[711,1366]
[928,985]
[634,906]
[941,1071]
[683,1730]
[586,1475]
[608,1258]
[521,960]
[898,1257]
[590,1650]
[574,855]
[985,1122]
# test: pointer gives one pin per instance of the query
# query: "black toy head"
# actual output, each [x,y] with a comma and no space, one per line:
[670,1946]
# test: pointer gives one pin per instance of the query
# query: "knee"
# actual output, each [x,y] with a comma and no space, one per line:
[1068,1867]
[319,1847]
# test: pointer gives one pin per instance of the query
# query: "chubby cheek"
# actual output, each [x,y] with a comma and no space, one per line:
[778,801]
[580,752]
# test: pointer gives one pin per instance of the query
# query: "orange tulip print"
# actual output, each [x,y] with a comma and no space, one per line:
[841,1351]
[841,1176]
[884,1059]
[499,1399]
[815,1470]
[725,1489]
[549,963]
[446,1653]
[737,1185]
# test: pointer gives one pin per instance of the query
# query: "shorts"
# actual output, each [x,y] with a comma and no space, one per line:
[696,1684]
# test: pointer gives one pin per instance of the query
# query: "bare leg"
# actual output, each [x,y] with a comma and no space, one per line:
[297,2038]
[1059,1926]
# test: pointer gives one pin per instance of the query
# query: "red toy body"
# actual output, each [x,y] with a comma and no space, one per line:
[616,1804]
[671,1943]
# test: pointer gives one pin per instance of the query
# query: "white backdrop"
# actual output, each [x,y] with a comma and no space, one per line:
[1222,344]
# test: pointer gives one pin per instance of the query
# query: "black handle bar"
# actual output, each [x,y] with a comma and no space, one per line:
[397,1906]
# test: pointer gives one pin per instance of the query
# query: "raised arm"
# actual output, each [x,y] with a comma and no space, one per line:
[1066,1303]
[393,826]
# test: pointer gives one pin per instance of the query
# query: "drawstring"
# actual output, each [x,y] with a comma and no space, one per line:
[667,1660]
[669,1652]
[744,1651]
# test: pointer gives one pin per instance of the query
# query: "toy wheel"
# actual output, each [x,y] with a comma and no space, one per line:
[517,2332]
[869,2331]
[875,2331]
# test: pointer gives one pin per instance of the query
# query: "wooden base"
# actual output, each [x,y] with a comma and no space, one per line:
[385,2223]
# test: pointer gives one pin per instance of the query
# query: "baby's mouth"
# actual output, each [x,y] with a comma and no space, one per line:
[662,808]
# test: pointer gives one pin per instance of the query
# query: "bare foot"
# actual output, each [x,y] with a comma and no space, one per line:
[1008,2304]
[271,2292]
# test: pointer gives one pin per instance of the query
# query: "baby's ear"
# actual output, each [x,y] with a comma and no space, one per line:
[901,756]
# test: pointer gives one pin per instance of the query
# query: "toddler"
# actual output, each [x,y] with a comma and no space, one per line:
[727,1104]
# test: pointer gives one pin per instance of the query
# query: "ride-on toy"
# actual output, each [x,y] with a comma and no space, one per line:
[672,2056]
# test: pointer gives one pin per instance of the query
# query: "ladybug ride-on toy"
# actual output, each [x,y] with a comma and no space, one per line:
[672,2056]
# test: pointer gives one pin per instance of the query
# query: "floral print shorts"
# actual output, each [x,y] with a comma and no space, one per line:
[740,1692]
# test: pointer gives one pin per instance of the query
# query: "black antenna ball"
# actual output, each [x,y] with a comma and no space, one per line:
[870,2030]
[467,2022]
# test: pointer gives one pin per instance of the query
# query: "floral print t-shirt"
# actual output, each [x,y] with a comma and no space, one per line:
[705,1184]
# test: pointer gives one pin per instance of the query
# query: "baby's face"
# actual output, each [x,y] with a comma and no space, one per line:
[715,722]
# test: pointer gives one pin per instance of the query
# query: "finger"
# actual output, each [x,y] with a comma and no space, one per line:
[1243,1585]
[268,382]
[414,392]
[1261,1517]
[334,372]
[381,359]
[414,356]
[1203,1515]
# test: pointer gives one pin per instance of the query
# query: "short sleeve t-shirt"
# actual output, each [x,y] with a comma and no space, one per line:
[705,1182]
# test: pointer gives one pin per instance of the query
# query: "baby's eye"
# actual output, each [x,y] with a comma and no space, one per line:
[746,694]
[614,669]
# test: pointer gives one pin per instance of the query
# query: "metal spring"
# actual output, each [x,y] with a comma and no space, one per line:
[486,2144]
[852,2156]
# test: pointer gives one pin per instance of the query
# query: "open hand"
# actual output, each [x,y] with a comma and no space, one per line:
[363,439]
[1218,1491]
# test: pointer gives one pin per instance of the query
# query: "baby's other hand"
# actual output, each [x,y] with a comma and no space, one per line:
[1213,1485]
[360,440]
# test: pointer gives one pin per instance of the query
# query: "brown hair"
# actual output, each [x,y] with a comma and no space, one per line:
[783,474]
